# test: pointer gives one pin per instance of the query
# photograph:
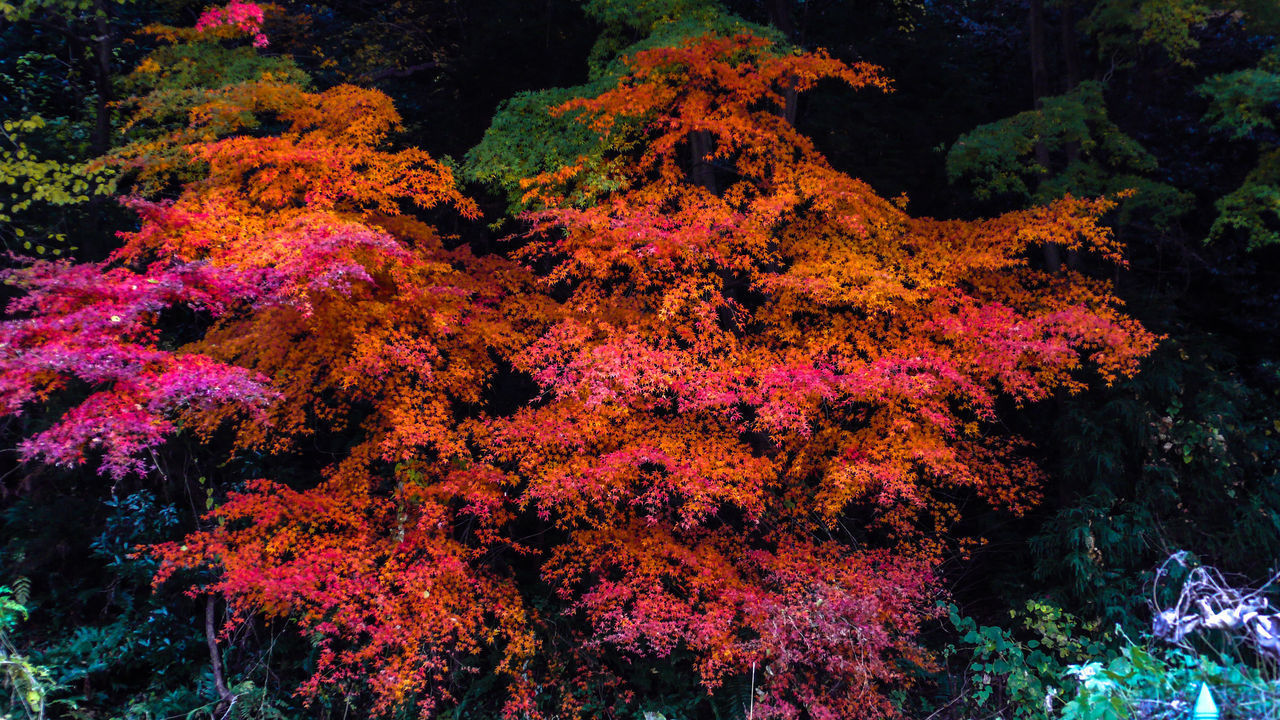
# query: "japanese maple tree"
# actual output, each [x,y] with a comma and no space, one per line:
[756,359]
[324,309]
[763,391]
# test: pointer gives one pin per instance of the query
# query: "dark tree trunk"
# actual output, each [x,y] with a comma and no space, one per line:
[1036,40]
[1071,64]
[701,171]
[1070,46]
[1039,89]
[780,17]
[225,696]
[102,46]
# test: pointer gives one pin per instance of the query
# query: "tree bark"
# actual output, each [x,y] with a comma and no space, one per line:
[1070,46]
[102,72]
[1039,67]
[1071,63]
[780,16]
[700,170]
[1039,89]
[215,657]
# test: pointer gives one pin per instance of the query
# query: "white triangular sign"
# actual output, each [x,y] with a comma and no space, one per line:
[1206,708]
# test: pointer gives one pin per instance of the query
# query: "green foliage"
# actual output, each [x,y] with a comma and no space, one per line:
[110,647]
[1242,105]
[643,15]
[27,684]
[631,26]
[134,521]
[1093,548]
[32,182]
[176,80]
[1154,683]
[1018,673]
[185,73]
[139,641]
[249,702]
[1253,209]
[1053,666]
[525,138]
[33,82]
[1089,154]
[1167,24]
[253,703]
[28,9]
[1184,455]
[1243,102]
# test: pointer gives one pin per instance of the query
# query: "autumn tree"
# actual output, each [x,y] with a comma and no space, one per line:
[319,298]
[762,393]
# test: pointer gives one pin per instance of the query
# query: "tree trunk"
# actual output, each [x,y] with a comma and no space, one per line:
[1039,67]
[1070,46]
[102,73]
[225,696]
[1071,63]
[700,169]
[780,16]
[1039,89]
